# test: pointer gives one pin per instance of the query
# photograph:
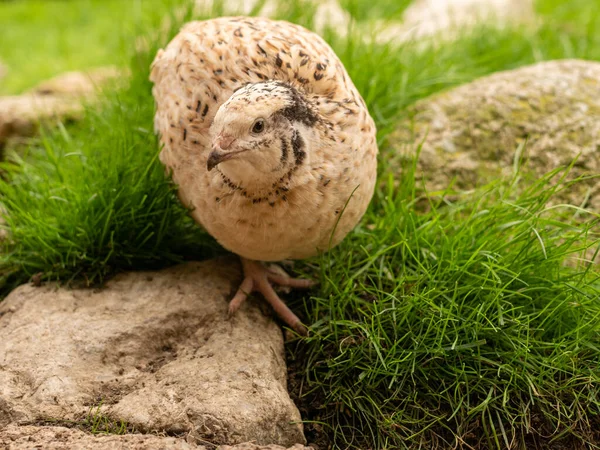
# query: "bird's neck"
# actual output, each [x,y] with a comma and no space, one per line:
[245,181]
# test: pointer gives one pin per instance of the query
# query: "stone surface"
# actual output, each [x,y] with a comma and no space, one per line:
[78,84]
[60,98]
[60,438]
[20,115]
[155,349]
[16,437]
[472,133]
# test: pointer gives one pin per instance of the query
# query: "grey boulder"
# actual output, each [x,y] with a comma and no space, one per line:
[472,133]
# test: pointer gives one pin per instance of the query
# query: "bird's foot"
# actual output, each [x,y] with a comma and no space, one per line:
[258,278]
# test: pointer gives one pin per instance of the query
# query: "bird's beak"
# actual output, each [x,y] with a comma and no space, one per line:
[217,156]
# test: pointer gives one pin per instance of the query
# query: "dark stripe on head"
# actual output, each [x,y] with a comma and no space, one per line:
[284,150]
[299,109]
[298,147]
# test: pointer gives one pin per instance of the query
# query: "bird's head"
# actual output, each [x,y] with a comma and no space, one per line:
[261,133]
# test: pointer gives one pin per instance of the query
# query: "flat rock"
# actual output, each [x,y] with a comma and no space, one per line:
[472,133]
[60,438]
[154,349]
[20,115]
[58,99]
[14,437]
[78,83]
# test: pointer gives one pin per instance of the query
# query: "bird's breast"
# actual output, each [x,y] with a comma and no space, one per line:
[297,224]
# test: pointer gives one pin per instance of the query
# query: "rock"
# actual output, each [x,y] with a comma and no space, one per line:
[20,115]
[60,438]
[58,99]
[154,349]
[78,84]
[28,437]
[472,132]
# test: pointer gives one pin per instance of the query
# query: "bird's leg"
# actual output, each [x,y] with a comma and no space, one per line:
[258,278]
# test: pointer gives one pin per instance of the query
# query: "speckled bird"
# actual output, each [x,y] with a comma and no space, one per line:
[270,144]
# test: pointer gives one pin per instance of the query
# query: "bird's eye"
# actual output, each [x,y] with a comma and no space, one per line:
[259,126]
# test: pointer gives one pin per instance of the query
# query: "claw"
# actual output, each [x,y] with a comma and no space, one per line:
[258,278]
[241,295]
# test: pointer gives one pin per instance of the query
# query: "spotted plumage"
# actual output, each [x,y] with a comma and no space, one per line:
[267,138]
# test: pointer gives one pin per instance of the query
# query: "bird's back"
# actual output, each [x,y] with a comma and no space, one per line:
[207,61]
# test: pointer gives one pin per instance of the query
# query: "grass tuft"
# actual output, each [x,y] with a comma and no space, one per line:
[94,422]
[97,423]
[91,199]
[476,322]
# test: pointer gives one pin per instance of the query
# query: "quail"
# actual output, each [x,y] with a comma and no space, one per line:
[270,143]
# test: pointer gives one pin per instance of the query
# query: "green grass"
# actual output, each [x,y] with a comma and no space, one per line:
[474,322]
[362,11]
[92,199]
[42,38]
[97,423]
[94,422]
[460,323]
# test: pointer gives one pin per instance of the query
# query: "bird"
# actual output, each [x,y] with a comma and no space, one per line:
[269,142]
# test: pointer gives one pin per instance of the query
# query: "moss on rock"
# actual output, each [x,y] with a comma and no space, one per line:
[471,134]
